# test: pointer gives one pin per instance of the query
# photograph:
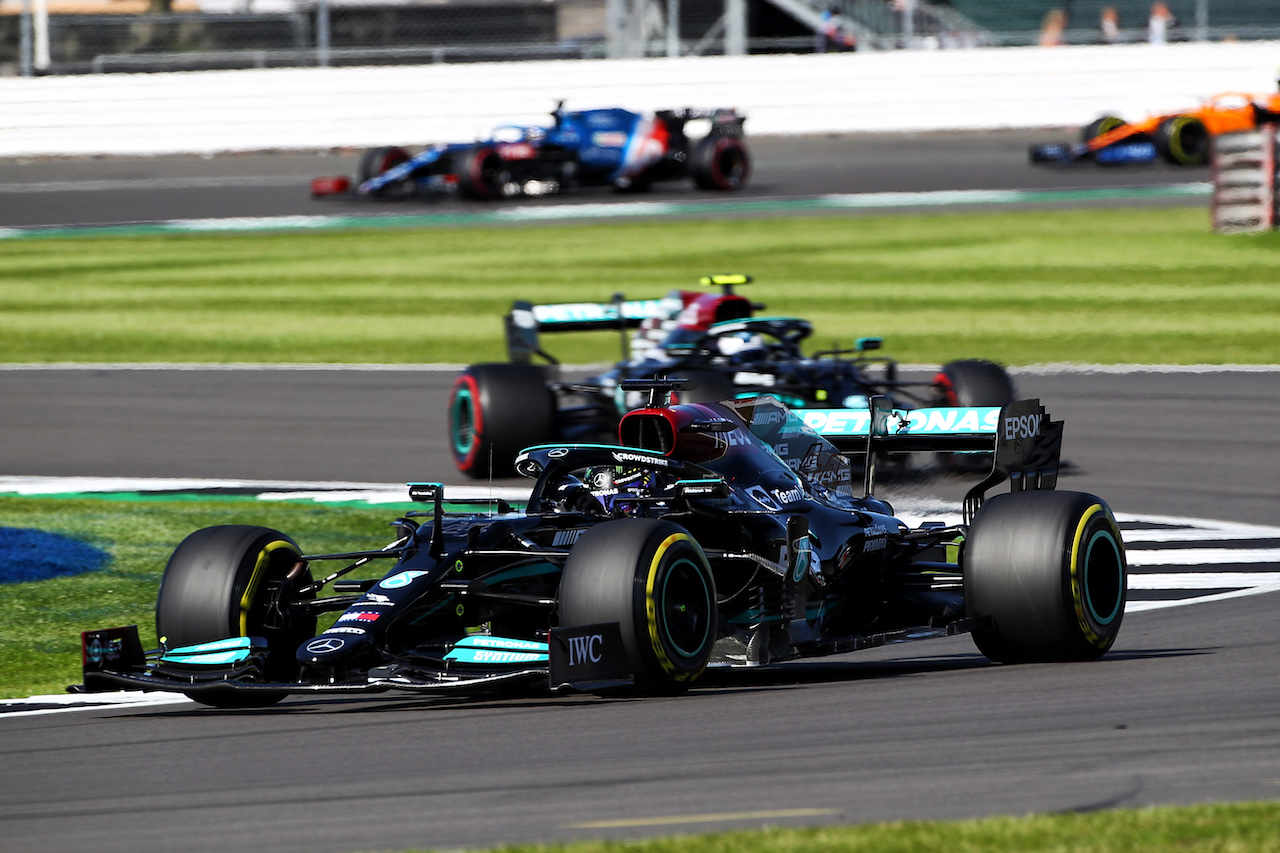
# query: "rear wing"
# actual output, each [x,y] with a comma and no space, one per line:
[526,320]
[1025,443]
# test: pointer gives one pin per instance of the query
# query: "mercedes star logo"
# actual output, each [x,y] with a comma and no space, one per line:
[325,646]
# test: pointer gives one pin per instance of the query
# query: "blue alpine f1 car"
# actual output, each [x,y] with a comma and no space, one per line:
[710,534]
[599,147]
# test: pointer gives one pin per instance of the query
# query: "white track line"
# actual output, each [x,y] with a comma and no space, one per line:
[1231,584]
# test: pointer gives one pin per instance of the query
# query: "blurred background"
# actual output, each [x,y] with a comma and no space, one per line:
[39,37]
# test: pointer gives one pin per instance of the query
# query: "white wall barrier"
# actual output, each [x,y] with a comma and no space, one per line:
[305,108]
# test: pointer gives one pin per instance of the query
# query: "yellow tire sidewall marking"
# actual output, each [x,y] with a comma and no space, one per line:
[1077,591]
[651,605]
[259,570]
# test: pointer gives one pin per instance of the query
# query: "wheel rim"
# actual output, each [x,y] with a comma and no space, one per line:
[486,175]
[1109,125]
[463,423]
[945,390]
[730,165]
[250,609]
[1103,578]
[1188,141]
[685,608]
[392,159]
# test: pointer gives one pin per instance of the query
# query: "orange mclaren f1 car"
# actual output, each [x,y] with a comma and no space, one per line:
[1179,138]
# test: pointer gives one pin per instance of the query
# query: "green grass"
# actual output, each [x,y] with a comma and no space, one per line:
[1225,828]
[39,653]
[1135,285]
[40,622]
[1104,286]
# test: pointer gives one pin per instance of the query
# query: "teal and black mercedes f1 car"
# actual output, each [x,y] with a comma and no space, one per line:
[710,534]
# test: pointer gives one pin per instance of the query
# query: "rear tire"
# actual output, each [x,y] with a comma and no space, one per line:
[651,577]
[720,163]
[966,383]
[973,382]
[1183,141]
[1049,569]
[495,411]
[216,586]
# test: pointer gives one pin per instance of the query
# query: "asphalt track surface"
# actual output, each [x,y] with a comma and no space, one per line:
[53,192]
[1182,710]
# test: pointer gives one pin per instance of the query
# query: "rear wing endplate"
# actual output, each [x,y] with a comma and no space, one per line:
[1025,443]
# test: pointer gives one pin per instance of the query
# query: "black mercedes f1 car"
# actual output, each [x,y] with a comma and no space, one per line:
[712,338]
[713,534]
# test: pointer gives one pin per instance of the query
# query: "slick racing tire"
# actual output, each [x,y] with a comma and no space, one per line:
[1183,141]
[218,584]
[495,411]
[378,160]
[1049,569]
[972,382]
[720,163]
[483,175]
[1099,126]
[652,578]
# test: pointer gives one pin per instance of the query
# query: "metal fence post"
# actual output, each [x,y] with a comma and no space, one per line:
[673,27]
[615,23]
[24,49]
[322,33]
[40,25]
[735,27]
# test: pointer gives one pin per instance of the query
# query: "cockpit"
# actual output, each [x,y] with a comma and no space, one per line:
[757,442]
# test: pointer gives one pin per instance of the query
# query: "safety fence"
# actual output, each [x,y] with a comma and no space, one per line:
[324,108]
[1244,181]
[63,37]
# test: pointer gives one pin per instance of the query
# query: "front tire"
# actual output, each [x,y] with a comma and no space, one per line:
[1049,569]
[495,411]
[484,174]
[218,585]
[1099,126]
[652,578]
[376,161]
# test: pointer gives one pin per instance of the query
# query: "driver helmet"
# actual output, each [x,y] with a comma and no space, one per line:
[616,487]
[740,344]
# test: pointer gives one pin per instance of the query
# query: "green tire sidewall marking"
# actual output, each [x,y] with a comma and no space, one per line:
[462,403]
[1101,539]
[665,581]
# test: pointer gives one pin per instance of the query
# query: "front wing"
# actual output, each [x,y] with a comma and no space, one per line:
[588,657]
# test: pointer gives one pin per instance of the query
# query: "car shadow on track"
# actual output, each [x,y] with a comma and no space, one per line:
[714,680]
